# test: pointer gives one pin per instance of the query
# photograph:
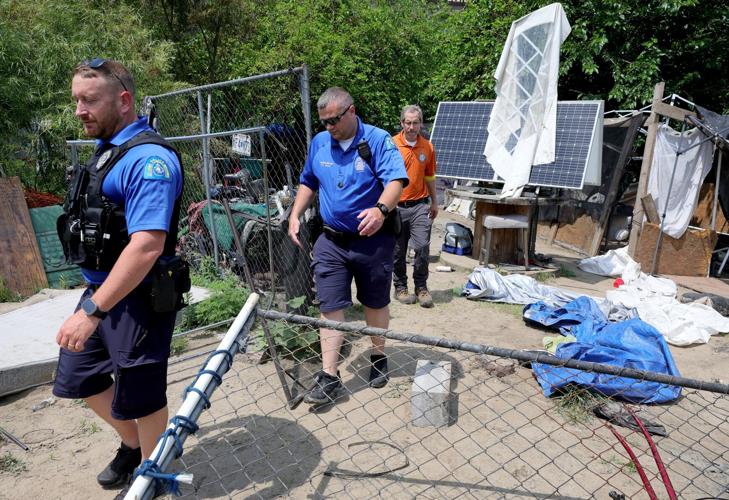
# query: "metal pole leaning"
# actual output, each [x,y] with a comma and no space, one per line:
[196,399]
[206,177]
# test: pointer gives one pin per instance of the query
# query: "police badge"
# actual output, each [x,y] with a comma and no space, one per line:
[103,159]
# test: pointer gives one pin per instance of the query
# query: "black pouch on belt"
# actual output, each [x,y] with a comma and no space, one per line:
[393,223]
[170,281]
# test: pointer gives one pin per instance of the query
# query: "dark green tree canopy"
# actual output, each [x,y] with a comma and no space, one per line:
[386,53]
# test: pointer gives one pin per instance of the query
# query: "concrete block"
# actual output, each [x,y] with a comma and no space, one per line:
[431,394]
[20,377]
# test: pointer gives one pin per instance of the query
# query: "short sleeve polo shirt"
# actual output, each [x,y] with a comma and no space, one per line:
[347,184]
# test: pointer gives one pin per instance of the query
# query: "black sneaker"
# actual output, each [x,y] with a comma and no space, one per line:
[378,371]
[121,468]
[324,390]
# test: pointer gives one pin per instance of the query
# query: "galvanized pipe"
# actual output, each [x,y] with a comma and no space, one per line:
[536,357]
[206,178]
[228,83]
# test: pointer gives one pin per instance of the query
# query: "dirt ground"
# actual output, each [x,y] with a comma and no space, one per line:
[506,439]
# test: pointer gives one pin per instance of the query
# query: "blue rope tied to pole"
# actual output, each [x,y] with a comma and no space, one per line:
[185,422]
[151,468]
[227,354]
[216,376]
[202,394]
[168,482]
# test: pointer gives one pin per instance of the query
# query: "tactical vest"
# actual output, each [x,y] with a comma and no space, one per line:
[92,228]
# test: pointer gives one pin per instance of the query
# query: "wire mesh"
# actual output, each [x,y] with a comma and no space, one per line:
[243,144]
[493,432]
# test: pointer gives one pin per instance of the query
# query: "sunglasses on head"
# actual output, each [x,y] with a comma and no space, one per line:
[99,62]
[334,119]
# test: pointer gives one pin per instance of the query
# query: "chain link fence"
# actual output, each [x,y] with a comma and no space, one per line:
[455,420]
[243,144]
[484,431]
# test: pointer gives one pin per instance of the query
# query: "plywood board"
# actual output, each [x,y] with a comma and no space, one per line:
[21,267]
[689,255]
[702,213]
[577,236]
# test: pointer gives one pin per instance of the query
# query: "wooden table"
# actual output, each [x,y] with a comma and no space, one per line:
[504,241]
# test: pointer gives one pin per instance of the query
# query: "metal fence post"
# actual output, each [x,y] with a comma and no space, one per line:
[305,101]
[206,178]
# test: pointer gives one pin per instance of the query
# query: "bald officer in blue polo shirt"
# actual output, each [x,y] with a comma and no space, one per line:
[114,348]
[359,174]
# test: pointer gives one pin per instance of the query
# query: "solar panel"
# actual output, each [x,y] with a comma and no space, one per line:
[460,132]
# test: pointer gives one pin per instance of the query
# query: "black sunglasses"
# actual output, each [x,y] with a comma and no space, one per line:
[97,63]
[334,119]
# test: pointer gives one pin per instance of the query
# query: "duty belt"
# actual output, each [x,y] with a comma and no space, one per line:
[340,236]
[412,203]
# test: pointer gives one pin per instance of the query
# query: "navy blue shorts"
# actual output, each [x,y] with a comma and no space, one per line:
[132,343]
[368,260]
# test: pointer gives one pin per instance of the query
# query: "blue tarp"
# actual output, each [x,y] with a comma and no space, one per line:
[630,344]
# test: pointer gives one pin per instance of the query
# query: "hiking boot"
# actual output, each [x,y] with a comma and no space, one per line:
[325,389]
[121,468]
[402,295]
[424,298]
[378,371]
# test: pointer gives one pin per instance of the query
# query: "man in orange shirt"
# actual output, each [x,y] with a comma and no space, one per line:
[418,207]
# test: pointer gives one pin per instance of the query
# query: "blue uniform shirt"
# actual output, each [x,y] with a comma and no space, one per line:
[146,181]
[346,183]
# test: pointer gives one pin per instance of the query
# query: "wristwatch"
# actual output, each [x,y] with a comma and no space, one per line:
[91,309]
[383,208]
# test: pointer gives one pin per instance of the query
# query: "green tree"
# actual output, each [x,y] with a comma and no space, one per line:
[617,50]
[381,51]
[40,42]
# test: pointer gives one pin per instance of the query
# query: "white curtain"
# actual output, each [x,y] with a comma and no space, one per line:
[523,122]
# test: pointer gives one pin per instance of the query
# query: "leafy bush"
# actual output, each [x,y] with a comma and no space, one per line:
[227,296]
[293,341]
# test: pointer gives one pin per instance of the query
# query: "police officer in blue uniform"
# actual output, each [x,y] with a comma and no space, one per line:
[120,224]
[359,175]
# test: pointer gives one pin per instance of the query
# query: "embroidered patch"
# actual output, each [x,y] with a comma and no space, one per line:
[389,144]
[359,164]
[421,157]
[156,169]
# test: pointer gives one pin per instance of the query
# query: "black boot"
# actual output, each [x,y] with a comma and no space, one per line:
[121,468]
[378,371]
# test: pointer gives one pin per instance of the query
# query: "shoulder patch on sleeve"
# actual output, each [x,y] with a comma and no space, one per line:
[389,144]
[156,169]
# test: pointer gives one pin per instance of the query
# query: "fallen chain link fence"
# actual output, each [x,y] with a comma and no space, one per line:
[456,420]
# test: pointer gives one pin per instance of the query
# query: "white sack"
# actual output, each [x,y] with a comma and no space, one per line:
[611,263]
